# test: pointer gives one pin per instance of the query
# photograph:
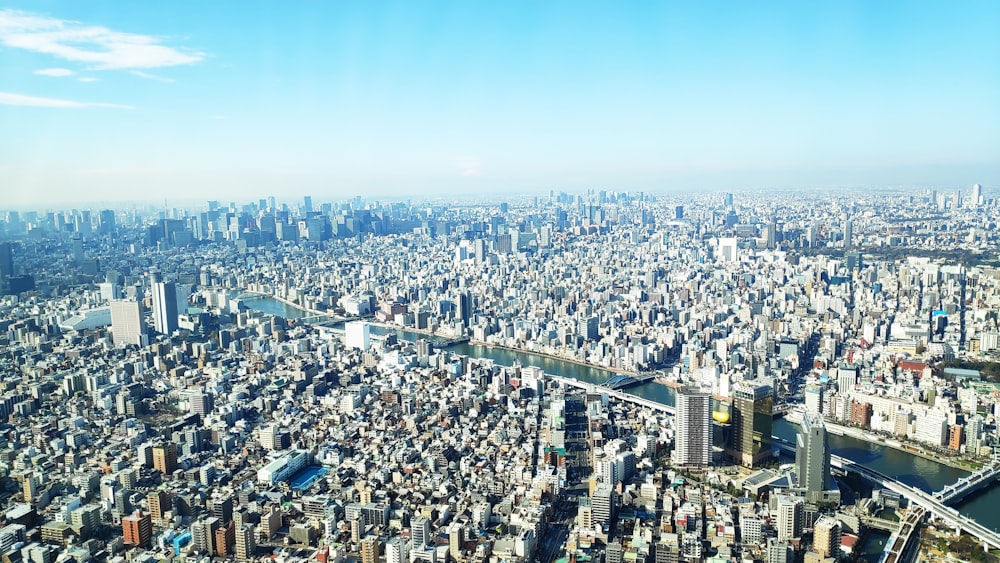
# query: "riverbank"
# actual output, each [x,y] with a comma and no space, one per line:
[552,357]
[867,436]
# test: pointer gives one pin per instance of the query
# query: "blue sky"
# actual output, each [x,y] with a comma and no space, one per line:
[182,100]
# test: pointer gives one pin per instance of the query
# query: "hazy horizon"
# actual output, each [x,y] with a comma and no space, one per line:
[191,101]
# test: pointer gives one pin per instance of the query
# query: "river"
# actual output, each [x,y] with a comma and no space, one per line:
[907,468]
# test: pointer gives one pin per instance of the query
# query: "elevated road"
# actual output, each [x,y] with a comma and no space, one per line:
[931,505]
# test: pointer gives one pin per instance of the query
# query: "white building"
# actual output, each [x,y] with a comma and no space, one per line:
[357,334]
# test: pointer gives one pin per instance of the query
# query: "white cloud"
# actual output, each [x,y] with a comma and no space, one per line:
[88,79]
[54,72]
[8,99]
[469,167]
[149,76]
[96,46]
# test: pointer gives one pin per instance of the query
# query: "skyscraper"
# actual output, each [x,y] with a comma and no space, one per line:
[164,307]
[692,436]
[812,460]
[126,323]
[752,421]
[6,266]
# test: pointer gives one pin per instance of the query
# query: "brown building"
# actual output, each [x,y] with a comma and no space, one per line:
[165,458]
[861,414]
[159,502]
[137,529]
[955,437]
[370,549]
[225,540]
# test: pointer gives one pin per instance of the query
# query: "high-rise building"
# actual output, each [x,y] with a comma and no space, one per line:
[165,458]
[692,434]
[728,250]
[770,235]
[791,512]
[977,196]
[126,323]
[812,461]
[357,334]
[751,421]
[588,327]
[6,266]
[164,307]
[614,553]
[420,531]
[158,504]
[370,550]
[200,403]
[203,534]
[826,537]
[137,529]
[246,546]
[604,506]
[779,551]
[814,397]
[397,550]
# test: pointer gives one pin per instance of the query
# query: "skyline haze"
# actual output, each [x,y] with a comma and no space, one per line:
[110,102]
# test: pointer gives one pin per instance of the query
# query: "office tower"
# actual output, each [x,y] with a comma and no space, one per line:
[126,323]
[307,204]
[692,433]
[420,531]
[853,260]
[6,266]
[812,460]
[826,537]
[588,328]
[604,506]
[752,420]
[848,234]
[137,529]
[246,546]
[222,508]
[165,458]
[107,218]
[847,378]
[727,200]
[679,212]
[728,251]
[779,552]
[200,403]
[464,306]
[791,512]
[977,196]
[357,334]
[770,235]
[164,307]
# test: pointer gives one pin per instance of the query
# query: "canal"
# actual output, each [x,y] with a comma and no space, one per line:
[907,468]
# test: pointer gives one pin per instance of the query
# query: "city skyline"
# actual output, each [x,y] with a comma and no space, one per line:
[106,103]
